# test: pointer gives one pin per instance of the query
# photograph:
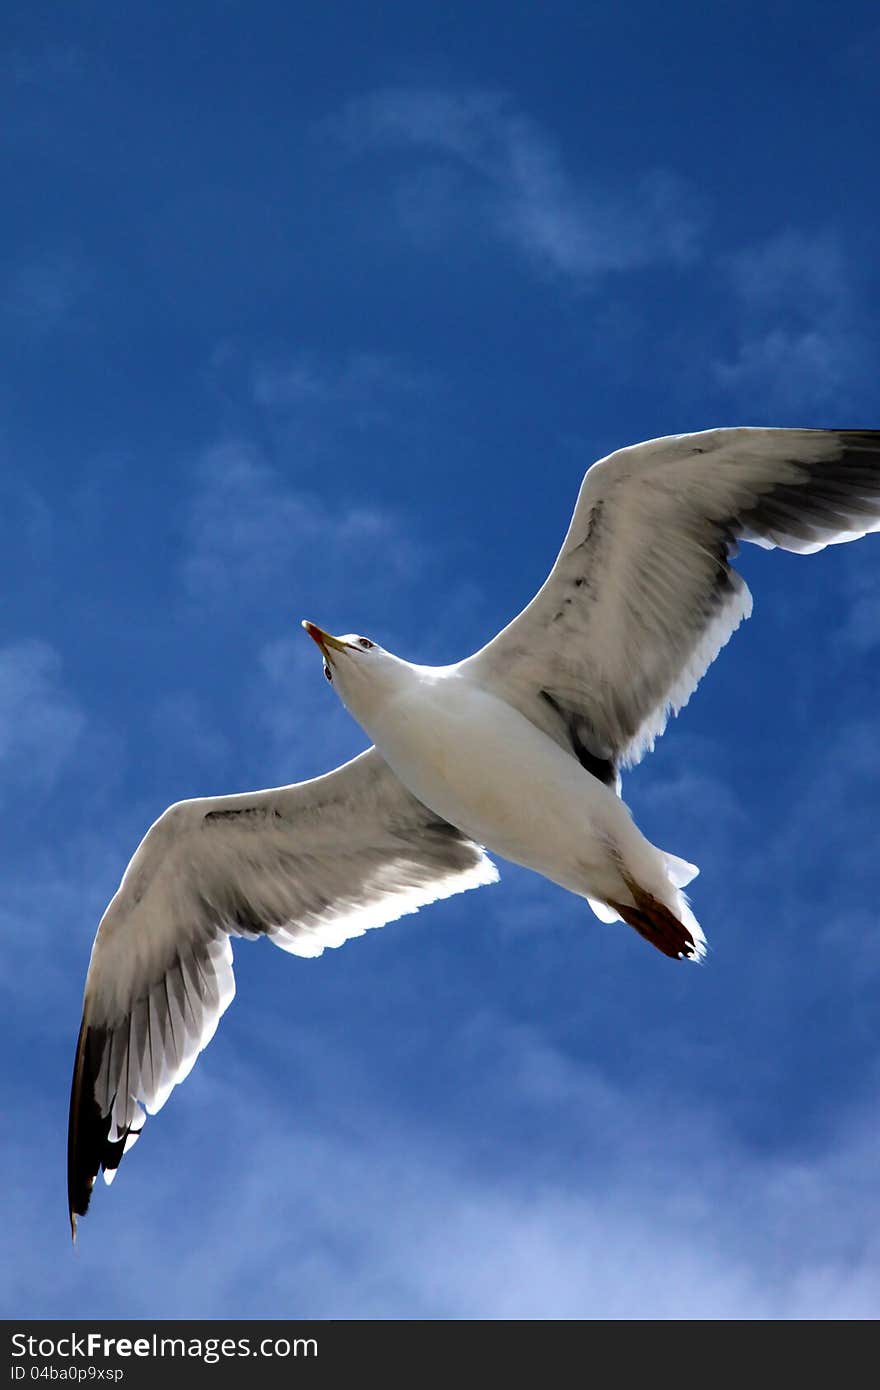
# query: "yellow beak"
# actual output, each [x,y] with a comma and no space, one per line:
[323,639]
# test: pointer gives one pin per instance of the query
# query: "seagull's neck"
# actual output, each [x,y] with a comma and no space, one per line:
[401,693]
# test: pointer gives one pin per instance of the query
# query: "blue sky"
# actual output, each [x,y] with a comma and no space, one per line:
[323,311]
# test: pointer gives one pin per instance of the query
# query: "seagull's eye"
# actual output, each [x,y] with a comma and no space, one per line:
[328,673]
[365,643]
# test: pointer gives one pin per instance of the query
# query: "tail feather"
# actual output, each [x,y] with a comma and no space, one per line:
[679,871]
[603,910]
[658,924]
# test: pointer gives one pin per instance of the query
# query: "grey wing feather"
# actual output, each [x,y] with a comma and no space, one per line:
[308,866]
[642,596]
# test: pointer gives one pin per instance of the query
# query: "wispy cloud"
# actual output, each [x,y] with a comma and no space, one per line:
[25,518]
[45,292]
[179,720]
[41,67]
[40,722]
[309,731]
[249,531]
[52,896]
[836,806]
[861,624]
[366,387]
[653,1211]
[678,798]
[799,344]
[496,174]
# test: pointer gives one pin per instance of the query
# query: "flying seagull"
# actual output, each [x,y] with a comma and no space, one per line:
[517,749]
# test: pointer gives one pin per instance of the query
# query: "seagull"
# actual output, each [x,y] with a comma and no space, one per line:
[517,750]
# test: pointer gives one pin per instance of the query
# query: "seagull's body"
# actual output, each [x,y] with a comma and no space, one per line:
[488,770]
[516,749]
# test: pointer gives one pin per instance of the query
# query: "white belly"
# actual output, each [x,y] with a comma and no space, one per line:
[481,765]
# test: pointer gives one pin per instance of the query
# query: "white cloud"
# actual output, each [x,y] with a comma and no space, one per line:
[799,346]
[179,720]
[44,293]
[51,899]
[792,273]
[370,411]
[495,173]
[789,369]
[679,799]
[861,620]
[250,533]
[42,67]
[24,516]
[365,389]
[40,723]
[309,730]
[591,1202]
[834,807]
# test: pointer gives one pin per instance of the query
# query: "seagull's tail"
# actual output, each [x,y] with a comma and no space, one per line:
[676,932]
[666,922]
[641,884]
[678,871]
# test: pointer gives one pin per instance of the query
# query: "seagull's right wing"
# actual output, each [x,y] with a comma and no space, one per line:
[642,596]
[307,866]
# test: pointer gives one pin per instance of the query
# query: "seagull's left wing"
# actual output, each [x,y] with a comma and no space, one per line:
[642,596]
[306,866]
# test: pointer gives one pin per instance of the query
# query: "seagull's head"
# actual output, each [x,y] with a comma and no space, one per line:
[362,673]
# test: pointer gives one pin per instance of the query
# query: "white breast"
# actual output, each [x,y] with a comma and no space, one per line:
[479,764]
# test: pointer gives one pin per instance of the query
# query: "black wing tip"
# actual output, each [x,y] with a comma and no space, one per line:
[838,436]
[859,440]
[853,432]
[869,436]
[89,1148]
[849,441]
[82,1148]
